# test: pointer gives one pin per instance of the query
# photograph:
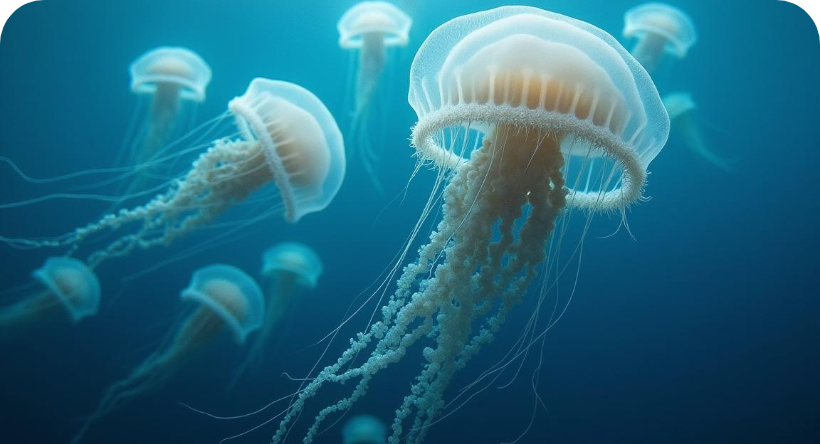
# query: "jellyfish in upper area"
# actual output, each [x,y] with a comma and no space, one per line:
[288,139]
[659,29]
[290,268]
[68,286]
[228,299]
[681,108]
[370,29]
[364,429]
[172,78]
[527,113]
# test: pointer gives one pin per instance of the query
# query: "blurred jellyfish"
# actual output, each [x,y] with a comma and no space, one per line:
[364,429]
[69,286]
[370,28]
[681,109]
[290,268]
[531,112]
[172,78]
[170,83]
[660,29]
[228,298]
[289,139]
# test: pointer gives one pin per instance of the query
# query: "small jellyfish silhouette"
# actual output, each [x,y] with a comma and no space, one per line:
[660,29]
[364,429]
[370,28]
[169,83]
[173,78]
[289,139]
[681,108]
[527,113]
[290,268]
[228,298]
[69,286]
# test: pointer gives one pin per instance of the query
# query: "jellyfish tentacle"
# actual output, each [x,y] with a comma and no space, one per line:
[471,257]
[225,174]
[26,312]
[158,368]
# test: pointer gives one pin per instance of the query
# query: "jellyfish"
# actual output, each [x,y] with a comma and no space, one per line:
[526,113]
[660,29]
[370,28]
[171,77]
[364,429]
[290,268]
[289,139]
[68,287]
[681,109]
[228,299]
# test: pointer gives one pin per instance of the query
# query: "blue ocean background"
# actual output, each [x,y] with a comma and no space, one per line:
[702,328]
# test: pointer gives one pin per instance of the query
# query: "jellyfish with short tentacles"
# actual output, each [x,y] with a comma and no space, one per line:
[290,268]
[370,28]
[229,299]
[364,429]
[69,286]
[289,139]
[660,29]
[681,108]
[562,116]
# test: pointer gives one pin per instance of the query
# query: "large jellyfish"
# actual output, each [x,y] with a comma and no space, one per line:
[562,116]
[68,287]
[290,268]
[681,108]
[289,139]
[228,299]
[660,29]
[364,429]
[370,28]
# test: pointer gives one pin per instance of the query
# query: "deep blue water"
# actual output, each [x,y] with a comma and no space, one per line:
[702,328]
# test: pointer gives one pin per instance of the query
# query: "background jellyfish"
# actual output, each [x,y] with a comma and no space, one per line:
[228,298]
[289,139]
[562,116]
[370,28]
[364,429]
[172,78]
[68,286]
[660,29]
[681,109]
[289,268]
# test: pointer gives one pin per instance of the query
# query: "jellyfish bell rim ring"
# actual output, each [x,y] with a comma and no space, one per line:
[394,35]
[642,138]
[253,128]
[424,141]
[253,294]
[193,86]
[679,42]
[76,311]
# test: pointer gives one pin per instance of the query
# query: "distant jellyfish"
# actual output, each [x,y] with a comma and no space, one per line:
[527,113]
[171,77]
[364,429]
[681,108]
[289,139]
[228,299]
[660,29]
[68,287]
[290,268]
[370,28]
